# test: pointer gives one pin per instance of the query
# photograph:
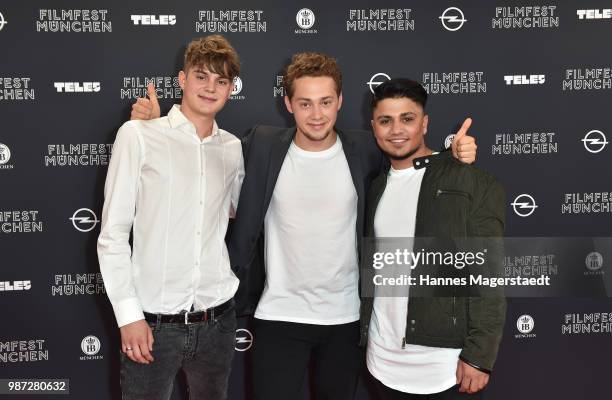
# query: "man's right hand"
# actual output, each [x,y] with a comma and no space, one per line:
[137,341]
[146,108]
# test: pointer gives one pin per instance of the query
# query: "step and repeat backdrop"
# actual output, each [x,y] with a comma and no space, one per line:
[536,77]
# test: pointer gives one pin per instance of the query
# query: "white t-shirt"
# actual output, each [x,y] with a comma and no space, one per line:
[415,369]
[310,241]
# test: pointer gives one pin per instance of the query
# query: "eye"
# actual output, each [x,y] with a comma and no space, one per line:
[200,76]
[383,121]
[223,82]
[408,119]
[304,105]
[327,103]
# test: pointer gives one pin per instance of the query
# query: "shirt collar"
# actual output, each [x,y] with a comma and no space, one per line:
[178,119]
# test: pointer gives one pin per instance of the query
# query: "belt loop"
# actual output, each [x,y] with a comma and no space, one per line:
[158,322]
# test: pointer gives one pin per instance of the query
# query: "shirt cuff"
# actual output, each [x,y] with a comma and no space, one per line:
[128,311]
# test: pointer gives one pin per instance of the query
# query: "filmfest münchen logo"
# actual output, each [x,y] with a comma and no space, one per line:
[73,21]
[452,19]
[244,339]
[2,21]
[524,205]
[376,80]
[84,220]
[594,141]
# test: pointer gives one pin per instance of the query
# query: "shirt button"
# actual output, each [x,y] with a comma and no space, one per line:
[201,203]
[411,329]
[198,233]
[413,322]
[197,263]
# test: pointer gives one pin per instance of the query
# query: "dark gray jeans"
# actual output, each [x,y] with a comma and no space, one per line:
[203,350]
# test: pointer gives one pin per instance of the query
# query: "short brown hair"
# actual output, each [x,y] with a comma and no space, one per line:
[215,53]
[311,64]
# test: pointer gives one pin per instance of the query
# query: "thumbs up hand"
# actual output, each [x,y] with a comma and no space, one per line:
[464,146]
[146,108]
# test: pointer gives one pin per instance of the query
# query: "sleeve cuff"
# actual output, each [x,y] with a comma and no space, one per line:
[481,369]
[128,311]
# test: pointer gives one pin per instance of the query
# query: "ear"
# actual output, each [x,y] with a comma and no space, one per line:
[339,101]
[288,105]
[182,77]
[425,122]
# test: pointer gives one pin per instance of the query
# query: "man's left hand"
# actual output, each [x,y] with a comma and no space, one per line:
[469,379]
[464,146]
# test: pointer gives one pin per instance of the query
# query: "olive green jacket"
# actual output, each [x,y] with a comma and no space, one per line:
[455,201]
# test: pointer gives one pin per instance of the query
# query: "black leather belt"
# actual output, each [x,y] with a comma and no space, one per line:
[190,317]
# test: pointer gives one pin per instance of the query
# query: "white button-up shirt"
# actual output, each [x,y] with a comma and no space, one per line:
[176,191]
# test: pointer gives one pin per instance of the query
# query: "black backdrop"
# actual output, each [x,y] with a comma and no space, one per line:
[534,76]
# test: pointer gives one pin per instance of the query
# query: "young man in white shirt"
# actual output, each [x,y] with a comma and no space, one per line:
[173,181]
[420,347]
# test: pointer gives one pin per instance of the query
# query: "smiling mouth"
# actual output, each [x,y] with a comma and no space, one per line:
[398,141]
[209,99]
[317,126]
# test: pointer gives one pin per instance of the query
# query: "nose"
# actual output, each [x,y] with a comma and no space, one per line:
[210,85]
[396,126]
[317,111]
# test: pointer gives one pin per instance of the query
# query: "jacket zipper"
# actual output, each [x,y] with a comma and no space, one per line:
[454,314]
[455,192]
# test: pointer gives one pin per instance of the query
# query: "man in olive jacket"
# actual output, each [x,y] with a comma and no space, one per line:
[444,347]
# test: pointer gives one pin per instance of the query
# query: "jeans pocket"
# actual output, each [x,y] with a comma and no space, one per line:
[227,322]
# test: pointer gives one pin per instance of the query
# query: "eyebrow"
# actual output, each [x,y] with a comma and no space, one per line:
[401,115]
[308,99]
[204,71]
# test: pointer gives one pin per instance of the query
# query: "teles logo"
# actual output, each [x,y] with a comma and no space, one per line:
[525,324]
[305,18]
[376,80]
[594,261]
[525,79]
[15,286]
[84,220]
[90,345]
[452,19]
[5,154]
[77,87]
[606,13]
[153,19]
[524,205]
[594,141]
[2,21]
[244,340]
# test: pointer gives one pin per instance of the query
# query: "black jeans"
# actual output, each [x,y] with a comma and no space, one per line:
[386,393]
[282,352]
[203,350]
